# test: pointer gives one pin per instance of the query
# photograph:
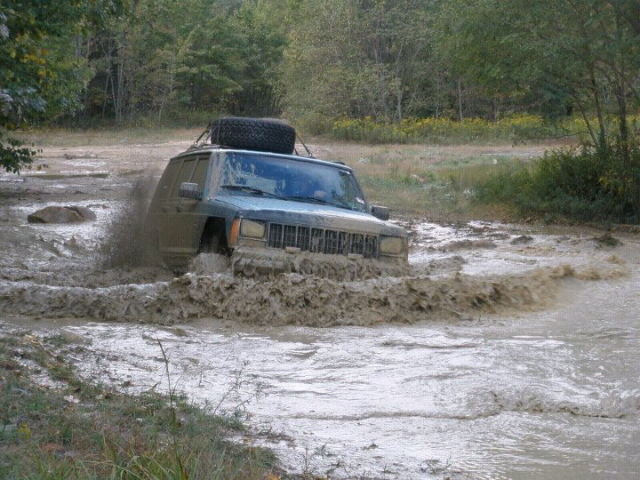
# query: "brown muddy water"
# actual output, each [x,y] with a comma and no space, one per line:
[508,351]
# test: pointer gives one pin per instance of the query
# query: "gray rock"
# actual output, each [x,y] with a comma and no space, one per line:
[522,239]
[57,214]
[74,338]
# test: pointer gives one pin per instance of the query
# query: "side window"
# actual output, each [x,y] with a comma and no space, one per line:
[167,181]
[200,174]
[184,175]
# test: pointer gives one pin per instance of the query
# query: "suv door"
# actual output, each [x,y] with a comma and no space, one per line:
[181,222]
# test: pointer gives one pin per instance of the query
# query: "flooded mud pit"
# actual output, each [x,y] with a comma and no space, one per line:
[506,351]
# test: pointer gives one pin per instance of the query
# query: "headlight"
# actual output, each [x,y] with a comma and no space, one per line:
[251,229]
[391,245]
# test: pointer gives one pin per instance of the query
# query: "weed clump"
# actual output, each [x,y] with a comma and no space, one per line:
[582,183]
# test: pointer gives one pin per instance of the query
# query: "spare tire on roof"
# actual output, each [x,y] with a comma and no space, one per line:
[265,135]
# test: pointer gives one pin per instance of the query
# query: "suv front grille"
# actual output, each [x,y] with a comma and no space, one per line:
[320,240]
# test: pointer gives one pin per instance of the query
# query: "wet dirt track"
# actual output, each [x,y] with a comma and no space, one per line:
[508,352]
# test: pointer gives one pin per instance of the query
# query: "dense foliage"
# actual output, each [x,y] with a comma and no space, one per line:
[40,74]
[164,59]
[316,61]
[509,129]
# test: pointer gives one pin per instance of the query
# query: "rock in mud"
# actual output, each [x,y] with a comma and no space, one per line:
[607,240]
[58,214]
[74,338]
[522,239]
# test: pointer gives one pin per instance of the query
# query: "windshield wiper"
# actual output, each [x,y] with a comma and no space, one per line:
[247,189]
[304,197]
[339,204]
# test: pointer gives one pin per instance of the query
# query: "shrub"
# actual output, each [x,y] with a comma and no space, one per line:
[583,183]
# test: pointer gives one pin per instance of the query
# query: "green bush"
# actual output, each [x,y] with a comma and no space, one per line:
[582,183]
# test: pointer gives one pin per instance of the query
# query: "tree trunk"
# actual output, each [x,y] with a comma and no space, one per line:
[602,133]
[459,89]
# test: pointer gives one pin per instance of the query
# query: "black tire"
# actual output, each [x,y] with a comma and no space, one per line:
[212,239]
[253,134]
[209,245]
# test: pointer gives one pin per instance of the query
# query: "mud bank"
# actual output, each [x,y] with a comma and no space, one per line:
[293,299]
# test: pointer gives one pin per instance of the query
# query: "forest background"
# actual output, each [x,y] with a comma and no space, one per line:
[366,70]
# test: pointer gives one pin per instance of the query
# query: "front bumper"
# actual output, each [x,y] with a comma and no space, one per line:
[266,261]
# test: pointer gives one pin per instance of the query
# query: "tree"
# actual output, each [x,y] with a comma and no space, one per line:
[358,58]
[263,39]
[164,57]
[39,78]
[586,51]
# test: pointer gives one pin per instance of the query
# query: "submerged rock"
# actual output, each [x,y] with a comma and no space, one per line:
[58,214]
[522,239]
[607,240]
[74,338]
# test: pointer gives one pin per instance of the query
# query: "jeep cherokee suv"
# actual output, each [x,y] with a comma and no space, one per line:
[244,190]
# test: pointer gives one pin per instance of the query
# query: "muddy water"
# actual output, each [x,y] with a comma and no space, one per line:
[544,383]
[543,396]
[507,352]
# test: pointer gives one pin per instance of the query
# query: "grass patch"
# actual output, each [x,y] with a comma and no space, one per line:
[55,426]
[512,129]
[438,193]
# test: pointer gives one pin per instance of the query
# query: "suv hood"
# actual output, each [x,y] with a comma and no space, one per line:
[293,212]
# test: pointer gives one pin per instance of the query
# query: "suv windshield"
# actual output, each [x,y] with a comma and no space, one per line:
[289,179]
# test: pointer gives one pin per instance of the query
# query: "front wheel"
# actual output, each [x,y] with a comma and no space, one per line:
[209,244]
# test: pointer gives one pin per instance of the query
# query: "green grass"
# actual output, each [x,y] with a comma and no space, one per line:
[436,182]
[74,430]
[440,195]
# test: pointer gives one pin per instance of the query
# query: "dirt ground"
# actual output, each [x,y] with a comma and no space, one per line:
[100,271]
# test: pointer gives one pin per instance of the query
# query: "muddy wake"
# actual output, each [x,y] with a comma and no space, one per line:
[490,403]
[292,299]
[616,404]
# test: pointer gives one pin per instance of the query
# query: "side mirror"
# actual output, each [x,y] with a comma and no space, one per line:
[190,190]
[380,212]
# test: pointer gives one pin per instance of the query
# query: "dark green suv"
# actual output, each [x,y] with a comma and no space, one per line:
[271,206]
